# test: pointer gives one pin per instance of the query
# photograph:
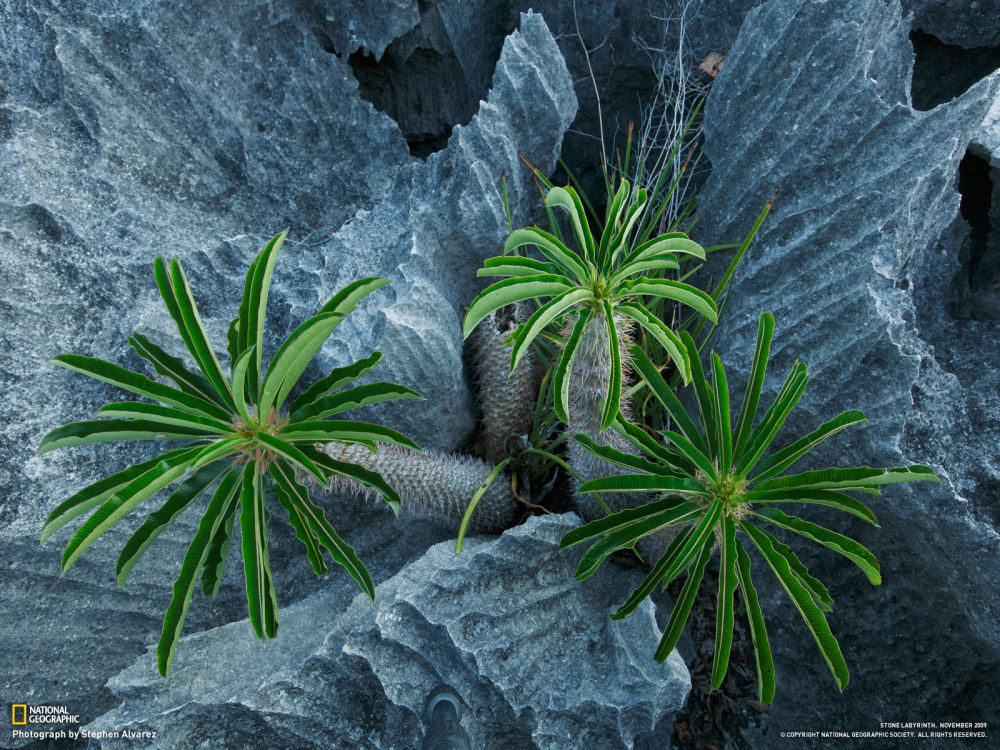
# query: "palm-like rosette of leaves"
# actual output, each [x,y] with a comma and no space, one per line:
[237,436]
[603,279]
[713,484]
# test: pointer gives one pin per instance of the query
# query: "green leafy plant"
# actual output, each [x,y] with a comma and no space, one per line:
[717,489]
[603,280]
[239,436]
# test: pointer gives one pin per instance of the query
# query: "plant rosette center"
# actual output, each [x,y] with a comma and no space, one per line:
[271,424]
[732,492]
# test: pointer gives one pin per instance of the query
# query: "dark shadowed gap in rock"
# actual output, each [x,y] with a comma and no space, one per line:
[422,94]
[975,293]
[943,71]
[976,189]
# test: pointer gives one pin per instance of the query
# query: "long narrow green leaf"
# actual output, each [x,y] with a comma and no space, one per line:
[116,430]
[218,547]
[615,208]
[515,265]
[179,499]
[463,527]
[686,294]
[256,311]
[627,535]
[813,585]
[674,242]
[642,440]
[703,395]
[203,353]
[612,401]
[345,431]
[256,566]
[166,415]
[643,483]
[173,367]
[95,494]
[687,449]
[341,552]
[622,518]
[758,631]
[168,469]
[240,368]
[724,605]
[751,397]
[567,199]
[682,607]
[828,498]
[777,463]
[564,365]
[293,357]
[236,334]
[764,434]
[173,621]
[661,262]
[678,556]
[352,398]
[298,520]
[617,457]
[839,543]
[565,259]
[359,474]
[218,450]
[138,383]
[507,292]
[290,453]
[854,479]
[347,299]
[620,241]
[652,378]
[165,284]
[337,378]
[541,318]
[720,388]
[812,615]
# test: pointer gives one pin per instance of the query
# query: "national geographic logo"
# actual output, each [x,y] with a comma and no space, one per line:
[22,714]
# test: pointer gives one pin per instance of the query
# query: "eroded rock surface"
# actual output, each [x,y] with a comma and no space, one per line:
[855,261]
[131,130]
[532,653]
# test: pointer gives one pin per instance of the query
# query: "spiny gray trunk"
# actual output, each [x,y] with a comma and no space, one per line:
[587,393]
[507,403]
[433,485]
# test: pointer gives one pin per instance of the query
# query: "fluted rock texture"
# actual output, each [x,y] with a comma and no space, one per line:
[356,675]
[130,130]
[433,485]
[856,261]
[438,221]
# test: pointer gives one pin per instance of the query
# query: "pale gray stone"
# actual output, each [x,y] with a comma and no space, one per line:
[532,653]
[855,261]
[130,130]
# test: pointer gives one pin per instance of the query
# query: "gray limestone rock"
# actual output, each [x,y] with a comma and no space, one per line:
[439,221]
[532,653]
[130,130]
[855,261]
[966,23]
[350,25]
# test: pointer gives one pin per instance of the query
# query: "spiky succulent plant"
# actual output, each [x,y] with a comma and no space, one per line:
[713,483]
[240,434]
[435,485]
[601,282]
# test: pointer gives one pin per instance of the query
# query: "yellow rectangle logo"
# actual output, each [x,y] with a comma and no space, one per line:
[24,713]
